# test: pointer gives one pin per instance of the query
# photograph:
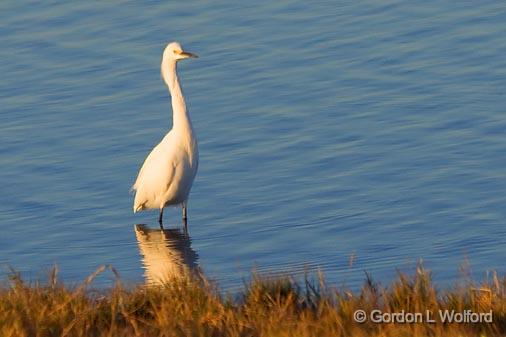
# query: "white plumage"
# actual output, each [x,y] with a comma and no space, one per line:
[167,174]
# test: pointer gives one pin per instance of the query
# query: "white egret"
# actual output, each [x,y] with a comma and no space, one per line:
[167,175]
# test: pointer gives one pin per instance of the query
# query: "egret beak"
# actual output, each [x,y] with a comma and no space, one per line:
[188,55]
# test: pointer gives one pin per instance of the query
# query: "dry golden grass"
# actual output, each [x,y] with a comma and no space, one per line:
[267,307]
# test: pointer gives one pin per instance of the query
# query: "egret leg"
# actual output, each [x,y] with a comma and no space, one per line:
[160,219]
[185,218]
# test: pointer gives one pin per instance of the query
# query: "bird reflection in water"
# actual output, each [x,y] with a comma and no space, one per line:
[166,254]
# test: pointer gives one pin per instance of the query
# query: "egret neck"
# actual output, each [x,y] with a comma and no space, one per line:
[181,122]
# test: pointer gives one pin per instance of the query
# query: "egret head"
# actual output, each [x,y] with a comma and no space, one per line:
[174,52]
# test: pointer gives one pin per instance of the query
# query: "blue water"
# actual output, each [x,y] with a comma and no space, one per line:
[372,131]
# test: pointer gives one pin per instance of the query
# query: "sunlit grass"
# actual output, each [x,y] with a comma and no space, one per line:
[268,306]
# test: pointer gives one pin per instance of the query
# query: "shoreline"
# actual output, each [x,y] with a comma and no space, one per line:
[267,306]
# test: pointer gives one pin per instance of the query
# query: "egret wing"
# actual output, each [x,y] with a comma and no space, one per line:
[154,178]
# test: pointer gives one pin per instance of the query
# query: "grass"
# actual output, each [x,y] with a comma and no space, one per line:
[268,306]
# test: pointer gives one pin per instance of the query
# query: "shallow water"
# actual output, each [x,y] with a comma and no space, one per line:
[365,131]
